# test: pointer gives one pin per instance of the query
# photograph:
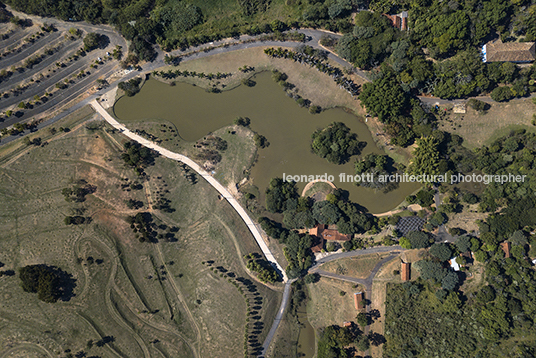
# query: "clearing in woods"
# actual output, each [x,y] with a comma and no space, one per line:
[179,297]
[478,129]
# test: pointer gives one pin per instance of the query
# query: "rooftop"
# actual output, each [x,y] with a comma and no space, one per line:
[498,51]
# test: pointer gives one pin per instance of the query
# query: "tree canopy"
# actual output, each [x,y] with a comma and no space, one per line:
[336,143]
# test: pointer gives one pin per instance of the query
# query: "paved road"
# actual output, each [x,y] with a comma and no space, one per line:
[284,303]
[366,282]
[200,171]
[16,77]
[48,39]
[341,255]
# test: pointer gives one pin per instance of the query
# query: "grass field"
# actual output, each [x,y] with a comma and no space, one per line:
[327,306]
[318,87]
[358,267]
[482,129]
[155,300]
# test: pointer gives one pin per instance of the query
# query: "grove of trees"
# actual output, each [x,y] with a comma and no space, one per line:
[336,143]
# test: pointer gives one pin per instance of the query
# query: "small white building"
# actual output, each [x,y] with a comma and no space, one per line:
[454,264]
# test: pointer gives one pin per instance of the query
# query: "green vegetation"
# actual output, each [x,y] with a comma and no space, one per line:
[424,324]
[121,283]
[378,167]
[265,271]
[49,282]
[336,143]
[92,41]
[425,157]
[131,87]
[138,156]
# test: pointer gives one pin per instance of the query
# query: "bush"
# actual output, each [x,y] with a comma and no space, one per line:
[502,94]
[241,121]
[92,41]
[478,105]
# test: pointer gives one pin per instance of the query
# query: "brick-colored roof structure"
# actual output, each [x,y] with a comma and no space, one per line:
[505,246]
[316,230]
[405,271]
[399,21]
[334,235]
[318,244]
[328,234]
[358,297]
[498,51]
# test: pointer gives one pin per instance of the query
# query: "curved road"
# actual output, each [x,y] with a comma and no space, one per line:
[393,250]
[184,159]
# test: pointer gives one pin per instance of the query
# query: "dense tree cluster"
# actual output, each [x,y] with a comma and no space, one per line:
[138,156]
[301,212]
[366,46]
[378,166]
[131,87]
[78,190]
[514,155]
[497,311]
[265,271]
[49,282]
[336,143]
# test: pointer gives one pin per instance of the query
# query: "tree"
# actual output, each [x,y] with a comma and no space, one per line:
[362,319]
[362,343]
[335,143]
[418,239]
[49,282]
[383,97]
[311,278]
[502,94]
[325,212]
[463,243]
[441,251]
[425,157]
[450,281]
[404,242]
[91,41]
[278,193]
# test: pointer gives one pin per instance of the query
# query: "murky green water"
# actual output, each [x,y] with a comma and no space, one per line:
[287,127]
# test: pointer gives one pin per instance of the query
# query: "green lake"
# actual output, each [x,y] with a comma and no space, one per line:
[273,114]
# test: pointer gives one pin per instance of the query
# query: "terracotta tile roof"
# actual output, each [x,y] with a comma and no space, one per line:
[497,51]
[329,234]
[318,244]
[505,246]
[405,271]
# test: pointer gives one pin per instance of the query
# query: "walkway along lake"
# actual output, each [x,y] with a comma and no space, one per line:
[273,114]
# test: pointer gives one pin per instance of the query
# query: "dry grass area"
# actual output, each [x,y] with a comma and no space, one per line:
[327,307]
[318,191]
[475,278]
[318,87]
[482,129]
[384,276]
[156,300]
[466,220]
[358,267]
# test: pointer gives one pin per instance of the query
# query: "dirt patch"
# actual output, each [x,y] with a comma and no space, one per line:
[467,219]
[358,267]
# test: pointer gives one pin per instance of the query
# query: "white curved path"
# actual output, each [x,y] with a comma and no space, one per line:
[220,188]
